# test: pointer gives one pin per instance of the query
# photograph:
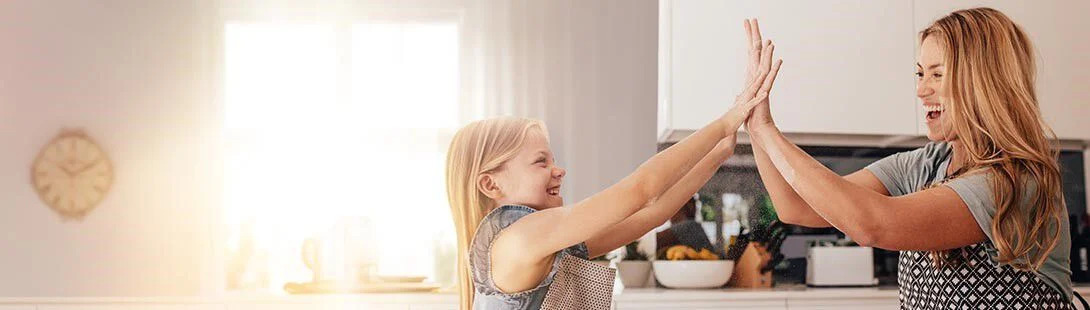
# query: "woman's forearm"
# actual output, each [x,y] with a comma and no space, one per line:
[790,207]
[847,206]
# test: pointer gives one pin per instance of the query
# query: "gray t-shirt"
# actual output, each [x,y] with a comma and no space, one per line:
[908,172]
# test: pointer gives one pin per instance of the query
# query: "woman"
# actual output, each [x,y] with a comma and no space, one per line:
[978,213]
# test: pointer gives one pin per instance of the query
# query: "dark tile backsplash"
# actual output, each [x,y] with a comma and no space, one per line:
[739,175]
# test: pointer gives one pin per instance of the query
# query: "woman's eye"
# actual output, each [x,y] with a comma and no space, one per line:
[919,75]
[937,75]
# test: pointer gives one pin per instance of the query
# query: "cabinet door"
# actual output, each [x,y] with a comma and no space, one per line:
[1060,33]
[848,65]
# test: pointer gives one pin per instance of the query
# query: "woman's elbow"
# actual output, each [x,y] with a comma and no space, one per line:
[866,235]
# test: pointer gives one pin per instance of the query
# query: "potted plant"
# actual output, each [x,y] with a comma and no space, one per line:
[634,269]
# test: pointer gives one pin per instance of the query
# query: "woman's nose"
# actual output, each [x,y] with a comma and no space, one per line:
[922,90]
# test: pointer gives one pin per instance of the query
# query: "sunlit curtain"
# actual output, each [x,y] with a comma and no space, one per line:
[338,129]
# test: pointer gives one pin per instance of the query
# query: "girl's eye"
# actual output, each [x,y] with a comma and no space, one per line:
[937,75]
[919,75]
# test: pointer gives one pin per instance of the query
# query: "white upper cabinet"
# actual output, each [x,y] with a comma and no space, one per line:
[1060,33]
[848,65]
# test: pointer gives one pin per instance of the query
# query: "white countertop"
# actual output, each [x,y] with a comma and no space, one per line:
[788,292]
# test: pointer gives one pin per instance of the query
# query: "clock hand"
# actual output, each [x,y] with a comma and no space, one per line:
[87,166]
[65,170]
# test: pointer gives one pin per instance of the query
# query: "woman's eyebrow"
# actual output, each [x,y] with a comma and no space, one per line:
[932,66]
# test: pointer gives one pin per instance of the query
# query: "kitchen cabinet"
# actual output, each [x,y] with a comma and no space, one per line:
[1061,37]
[848,65]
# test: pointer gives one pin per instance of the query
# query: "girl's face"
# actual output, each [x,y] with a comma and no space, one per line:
[531,178]
[930,88]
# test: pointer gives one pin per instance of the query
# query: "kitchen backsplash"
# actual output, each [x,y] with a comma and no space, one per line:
[739,175]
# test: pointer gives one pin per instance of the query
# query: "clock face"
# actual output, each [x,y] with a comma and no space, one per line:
[72,174]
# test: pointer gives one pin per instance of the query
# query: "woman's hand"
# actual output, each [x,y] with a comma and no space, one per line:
[761,115]
[760,75]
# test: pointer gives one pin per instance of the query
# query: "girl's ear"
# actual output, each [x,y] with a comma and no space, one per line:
[486,183]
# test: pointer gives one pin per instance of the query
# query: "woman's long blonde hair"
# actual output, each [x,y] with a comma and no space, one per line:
[480,147]
[994,113]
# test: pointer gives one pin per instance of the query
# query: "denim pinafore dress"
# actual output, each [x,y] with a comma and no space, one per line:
[573,282]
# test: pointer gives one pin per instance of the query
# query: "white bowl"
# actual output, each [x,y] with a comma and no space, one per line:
[693,273]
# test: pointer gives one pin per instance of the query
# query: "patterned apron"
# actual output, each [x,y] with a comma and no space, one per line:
[580,284]
[976,283]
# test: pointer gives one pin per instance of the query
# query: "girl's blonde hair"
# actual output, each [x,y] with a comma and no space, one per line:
[993,109]
[478,148]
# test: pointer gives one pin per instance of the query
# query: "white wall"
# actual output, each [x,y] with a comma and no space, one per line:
[139,77]
[134,75]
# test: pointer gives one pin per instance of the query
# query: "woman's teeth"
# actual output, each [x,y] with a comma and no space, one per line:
[933,111]
[553,191]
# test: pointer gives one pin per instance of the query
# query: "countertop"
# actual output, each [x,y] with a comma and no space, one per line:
[786,292]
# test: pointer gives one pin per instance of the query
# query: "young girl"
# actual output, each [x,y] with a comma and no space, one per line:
[520,247]
[977,214]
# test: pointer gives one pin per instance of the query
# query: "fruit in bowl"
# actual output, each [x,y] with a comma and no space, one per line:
[685,267]
[681,252]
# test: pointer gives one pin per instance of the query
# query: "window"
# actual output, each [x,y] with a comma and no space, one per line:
[335,127]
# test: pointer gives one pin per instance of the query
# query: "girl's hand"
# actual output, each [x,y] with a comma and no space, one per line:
[760,75]
[761,115]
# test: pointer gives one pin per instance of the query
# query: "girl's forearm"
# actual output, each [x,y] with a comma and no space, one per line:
[666,205]
[664,169]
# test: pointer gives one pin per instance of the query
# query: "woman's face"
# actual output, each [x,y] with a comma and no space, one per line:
[930,88]
[531,178]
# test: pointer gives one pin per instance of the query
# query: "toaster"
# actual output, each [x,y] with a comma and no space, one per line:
[840,266]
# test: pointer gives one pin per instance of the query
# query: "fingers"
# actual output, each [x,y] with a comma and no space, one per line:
[749,33]
[771,78]
[755,29]
[762,70]
[754,50]
[766,57]
[739,114]
[754,59]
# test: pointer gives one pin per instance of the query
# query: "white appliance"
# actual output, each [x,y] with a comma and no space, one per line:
[840,266]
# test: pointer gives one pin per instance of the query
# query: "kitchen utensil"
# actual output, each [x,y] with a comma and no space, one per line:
[777,238]
[736,248]
[748,273]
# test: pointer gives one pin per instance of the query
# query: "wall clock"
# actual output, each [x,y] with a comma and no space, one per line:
[72,174]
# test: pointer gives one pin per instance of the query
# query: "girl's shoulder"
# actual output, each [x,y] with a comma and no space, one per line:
[491,225]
